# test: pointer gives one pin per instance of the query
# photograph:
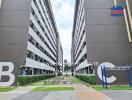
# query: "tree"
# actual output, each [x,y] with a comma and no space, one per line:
[65,62]
[67,67]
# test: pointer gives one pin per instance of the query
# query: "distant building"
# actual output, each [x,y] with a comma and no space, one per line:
[60,57]
[29,37]
[99,37]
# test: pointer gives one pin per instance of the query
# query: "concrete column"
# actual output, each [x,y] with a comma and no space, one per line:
[88,70]
[32,71]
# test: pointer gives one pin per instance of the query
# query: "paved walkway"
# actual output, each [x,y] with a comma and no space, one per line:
[15,93]
[61,95]
[83,92]
[33,95]
[119,94]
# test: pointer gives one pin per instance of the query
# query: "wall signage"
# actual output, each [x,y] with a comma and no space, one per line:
[110,79]
[8,72]
[107,73]
[117,11]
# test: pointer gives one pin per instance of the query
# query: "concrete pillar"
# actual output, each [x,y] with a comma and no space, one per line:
[32,71]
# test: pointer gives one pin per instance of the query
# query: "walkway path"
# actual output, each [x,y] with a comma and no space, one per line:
[83,92]
[118,94]
[61,95]
[15,93]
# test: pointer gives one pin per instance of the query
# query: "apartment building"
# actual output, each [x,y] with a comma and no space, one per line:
[99,37]
[29,36]
[60,57]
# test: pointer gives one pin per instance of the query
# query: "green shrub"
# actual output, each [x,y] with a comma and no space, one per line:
[88,79]
[23,80]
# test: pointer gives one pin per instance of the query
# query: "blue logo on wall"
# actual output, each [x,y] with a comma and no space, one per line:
[117,11]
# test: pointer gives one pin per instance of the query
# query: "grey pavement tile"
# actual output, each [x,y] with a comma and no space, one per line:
[32,96]
[61,95]
[119,94]
[53,95]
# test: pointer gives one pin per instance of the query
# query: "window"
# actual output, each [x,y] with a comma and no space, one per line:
[35,57]
[36,44]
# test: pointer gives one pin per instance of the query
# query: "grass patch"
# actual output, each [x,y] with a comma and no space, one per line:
[75,80]
[88,79]
[39,83]
[42,82]
[28,79]
[53,88]
[6,89]
[112,88]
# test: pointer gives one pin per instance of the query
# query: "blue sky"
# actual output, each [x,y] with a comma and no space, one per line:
[64,12]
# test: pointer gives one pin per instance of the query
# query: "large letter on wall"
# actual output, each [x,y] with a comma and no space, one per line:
[7,73]
[110,79]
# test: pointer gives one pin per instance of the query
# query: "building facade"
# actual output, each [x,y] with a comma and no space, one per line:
[99,37]
[60,57]
[28,36]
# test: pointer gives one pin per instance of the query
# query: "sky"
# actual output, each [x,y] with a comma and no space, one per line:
[64,12]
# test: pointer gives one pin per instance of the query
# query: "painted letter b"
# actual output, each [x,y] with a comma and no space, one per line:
[8,73]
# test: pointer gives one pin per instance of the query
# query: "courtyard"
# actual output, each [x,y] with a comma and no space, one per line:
[62,88]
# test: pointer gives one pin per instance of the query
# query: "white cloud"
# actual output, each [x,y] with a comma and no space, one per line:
[64,11]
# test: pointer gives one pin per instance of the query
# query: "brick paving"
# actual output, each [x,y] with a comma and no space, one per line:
[118,94]
[15,93]
[61,95]
[83,92]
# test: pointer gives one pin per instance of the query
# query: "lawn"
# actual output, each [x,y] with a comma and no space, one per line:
[75,80]
[53,88]
[6,89]
[39,83]
[42,83]
[112,87]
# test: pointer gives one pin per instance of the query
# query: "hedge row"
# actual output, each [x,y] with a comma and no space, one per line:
[88,79]
[23,80]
